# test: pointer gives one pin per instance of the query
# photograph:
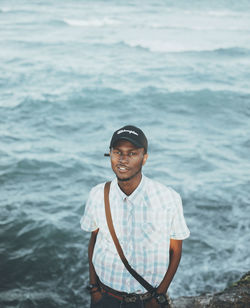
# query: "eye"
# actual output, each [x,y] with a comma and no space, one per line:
[132,153]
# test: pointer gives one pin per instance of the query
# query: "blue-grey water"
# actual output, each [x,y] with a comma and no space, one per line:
[71,72]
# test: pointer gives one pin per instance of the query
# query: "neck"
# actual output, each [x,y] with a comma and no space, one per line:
[128,187]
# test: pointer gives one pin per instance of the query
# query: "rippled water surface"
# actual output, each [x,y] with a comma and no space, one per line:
[73,72]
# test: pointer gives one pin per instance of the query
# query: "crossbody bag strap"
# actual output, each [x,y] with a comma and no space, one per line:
[138,277]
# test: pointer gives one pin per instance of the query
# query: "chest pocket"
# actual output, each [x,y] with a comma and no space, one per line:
[150,234]
[157,230]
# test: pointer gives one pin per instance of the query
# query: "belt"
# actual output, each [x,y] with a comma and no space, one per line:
[123,296]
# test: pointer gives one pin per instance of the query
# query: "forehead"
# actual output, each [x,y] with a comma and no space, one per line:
[125,144]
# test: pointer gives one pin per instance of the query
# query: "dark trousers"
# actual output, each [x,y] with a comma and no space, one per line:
[108,301]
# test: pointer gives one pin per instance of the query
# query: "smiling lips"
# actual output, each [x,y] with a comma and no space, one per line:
[122,168]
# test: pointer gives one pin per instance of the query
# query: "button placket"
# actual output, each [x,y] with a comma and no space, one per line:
[129,229]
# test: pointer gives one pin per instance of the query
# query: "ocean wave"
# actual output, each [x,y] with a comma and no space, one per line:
[31,166]
[217,13]
[58,22]
[230,51]
[202,27]
[233,51]
[120,44]
[91,22]
[28,295]
[226,13]
[5,10]
[159,47]
[16,10]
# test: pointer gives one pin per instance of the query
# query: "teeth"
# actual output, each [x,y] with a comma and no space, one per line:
[122,168]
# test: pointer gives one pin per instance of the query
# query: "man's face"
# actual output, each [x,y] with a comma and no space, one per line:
[127,160]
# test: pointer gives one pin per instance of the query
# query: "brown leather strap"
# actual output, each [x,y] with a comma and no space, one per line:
[141,280]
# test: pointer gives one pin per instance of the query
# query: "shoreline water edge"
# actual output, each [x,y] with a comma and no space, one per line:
[237,295]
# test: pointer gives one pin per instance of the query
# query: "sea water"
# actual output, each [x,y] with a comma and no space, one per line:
[74,71]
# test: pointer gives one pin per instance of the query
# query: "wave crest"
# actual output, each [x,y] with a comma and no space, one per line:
[5,9]
[91,22]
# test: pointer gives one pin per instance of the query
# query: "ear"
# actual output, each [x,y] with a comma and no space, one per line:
[145,157]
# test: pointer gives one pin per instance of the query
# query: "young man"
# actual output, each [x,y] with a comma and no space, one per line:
[149,224]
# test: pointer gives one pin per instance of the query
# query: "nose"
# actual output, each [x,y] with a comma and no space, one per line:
[123,158]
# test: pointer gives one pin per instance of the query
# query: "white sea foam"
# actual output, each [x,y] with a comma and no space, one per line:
[170,46]
[91,22]
[225,13]
[5,9]
[9,103]
[222,13]
[202,27]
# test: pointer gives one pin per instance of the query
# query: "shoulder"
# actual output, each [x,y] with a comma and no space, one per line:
[98,187]
[96,191]
[161,192]
[153,185]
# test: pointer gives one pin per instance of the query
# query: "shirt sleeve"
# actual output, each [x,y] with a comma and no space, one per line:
[179,229]
[88,220]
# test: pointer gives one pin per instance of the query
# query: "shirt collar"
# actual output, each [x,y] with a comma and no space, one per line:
[134,194]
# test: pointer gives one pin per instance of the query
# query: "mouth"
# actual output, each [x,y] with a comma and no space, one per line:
[122,169]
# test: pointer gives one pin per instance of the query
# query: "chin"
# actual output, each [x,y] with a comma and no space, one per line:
[123,179]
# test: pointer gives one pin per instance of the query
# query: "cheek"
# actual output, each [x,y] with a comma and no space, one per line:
[138,164]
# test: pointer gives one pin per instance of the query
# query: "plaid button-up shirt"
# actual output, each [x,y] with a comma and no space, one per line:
[144,223]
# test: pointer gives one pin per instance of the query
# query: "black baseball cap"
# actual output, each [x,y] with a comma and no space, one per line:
[132,134]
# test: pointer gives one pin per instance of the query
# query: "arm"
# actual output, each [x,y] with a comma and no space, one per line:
[175,250]
[92,274]
[93,278]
